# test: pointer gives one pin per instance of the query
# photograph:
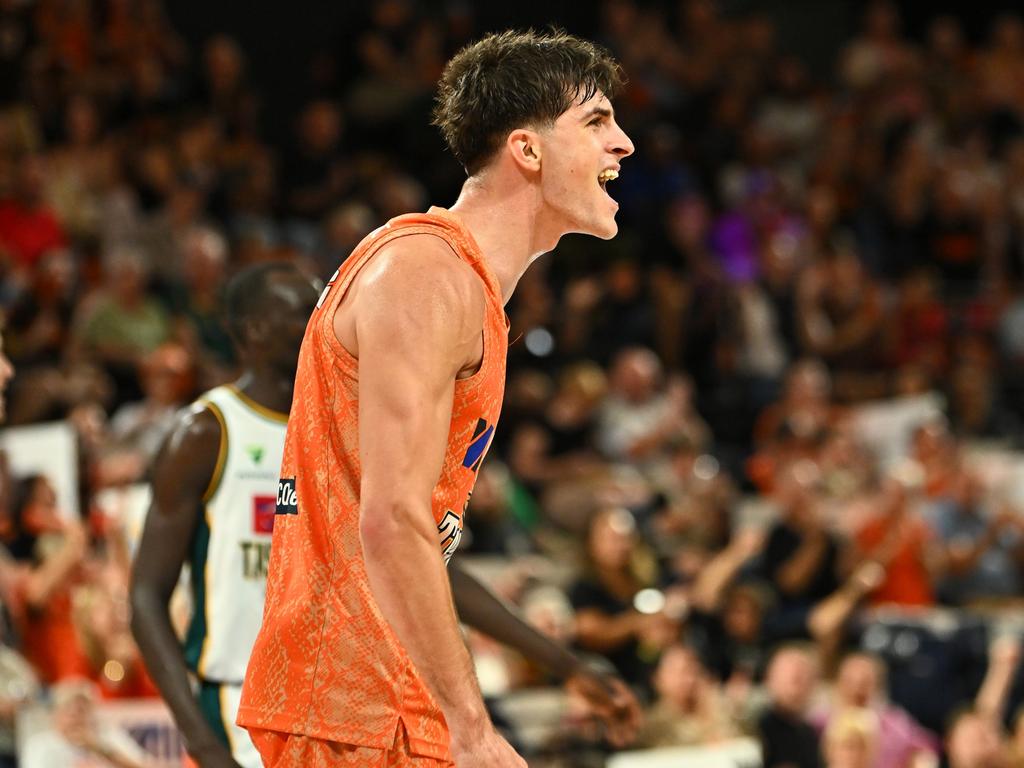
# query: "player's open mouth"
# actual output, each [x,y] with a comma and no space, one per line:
[609,174]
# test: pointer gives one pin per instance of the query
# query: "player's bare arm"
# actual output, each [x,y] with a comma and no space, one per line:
[607,696]
[417,316]
[182,473]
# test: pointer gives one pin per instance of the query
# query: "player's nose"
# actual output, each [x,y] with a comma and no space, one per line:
[622,145]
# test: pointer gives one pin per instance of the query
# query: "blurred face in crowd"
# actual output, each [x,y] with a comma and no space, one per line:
[40,514]
[636,374]
[893,500]
[205,260]
[82,121]
[127,279]
[679,677]
[612,538]
[850,741]
[791,679]
[974,742]
[742,616]
[30,180]
[165,374]
[6,374]
[858,681]
[224,64]
[808,383]
[796,492]
[54,275]
[321,127]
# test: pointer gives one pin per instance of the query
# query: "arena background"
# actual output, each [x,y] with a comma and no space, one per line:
[782,409]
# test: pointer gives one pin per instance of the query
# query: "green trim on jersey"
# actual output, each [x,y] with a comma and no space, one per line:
[213,711]
[222,452]
[198,631]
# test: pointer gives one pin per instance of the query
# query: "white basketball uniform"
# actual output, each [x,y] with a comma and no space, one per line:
[230,552]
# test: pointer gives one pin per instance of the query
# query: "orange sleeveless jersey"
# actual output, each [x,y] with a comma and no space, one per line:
[326,664]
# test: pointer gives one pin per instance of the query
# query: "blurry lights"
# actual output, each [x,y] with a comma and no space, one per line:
[649,601]
[622,522]
[705,467]
[539,342]
[113,671]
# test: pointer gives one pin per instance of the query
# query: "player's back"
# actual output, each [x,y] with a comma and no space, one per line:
[326,663]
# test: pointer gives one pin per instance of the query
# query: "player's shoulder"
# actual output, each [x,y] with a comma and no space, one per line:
[197,425]
[191,450]
[425,267]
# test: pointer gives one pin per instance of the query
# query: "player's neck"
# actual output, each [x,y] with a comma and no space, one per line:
[268,388]
[504,223]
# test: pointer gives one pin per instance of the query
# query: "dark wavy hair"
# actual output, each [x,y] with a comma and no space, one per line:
[513,80]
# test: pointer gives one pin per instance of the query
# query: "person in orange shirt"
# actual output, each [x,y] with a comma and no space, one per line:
[901,541]
[359,660]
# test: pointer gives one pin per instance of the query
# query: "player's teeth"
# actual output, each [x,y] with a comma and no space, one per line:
[608,175]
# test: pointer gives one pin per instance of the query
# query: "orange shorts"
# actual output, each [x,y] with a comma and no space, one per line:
[290,750]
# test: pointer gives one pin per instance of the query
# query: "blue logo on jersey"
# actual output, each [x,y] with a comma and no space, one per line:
[478,447]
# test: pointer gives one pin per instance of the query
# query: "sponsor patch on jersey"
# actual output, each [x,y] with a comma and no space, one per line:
[287,499]
[263,510]
[478,445]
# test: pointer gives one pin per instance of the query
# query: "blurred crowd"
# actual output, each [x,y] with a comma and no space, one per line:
[738,450]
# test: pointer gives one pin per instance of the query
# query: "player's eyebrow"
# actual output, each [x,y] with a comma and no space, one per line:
[597,112]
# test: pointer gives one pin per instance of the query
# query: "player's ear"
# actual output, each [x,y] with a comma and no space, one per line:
[524,147]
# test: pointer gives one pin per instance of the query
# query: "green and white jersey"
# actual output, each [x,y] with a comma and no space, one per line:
[231,547]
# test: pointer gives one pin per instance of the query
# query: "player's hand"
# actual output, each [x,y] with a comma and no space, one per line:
[487,750]
[214,755]
[609,700]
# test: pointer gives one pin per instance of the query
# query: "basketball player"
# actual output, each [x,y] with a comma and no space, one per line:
[214,495]
[360,661]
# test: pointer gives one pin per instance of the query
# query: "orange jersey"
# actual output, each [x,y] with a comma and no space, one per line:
[326,664]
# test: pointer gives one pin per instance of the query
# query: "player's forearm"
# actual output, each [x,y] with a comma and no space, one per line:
[407,577]
[479,608]
[151,627]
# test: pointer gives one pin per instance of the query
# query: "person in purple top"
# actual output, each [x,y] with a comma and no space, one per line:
[901,740]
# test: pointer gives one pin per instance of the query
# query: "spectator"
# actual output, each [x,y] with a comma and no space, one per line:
[641,417]
[787,739]
[895,739]
[849,741]
[983,547]
[28,227]
[49,552]
[195,301]
[690,709]
[900,540]
[975,741]
[801,558]
[124,324]
[40,319]
[608,619]
[141,427]
[78,738]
